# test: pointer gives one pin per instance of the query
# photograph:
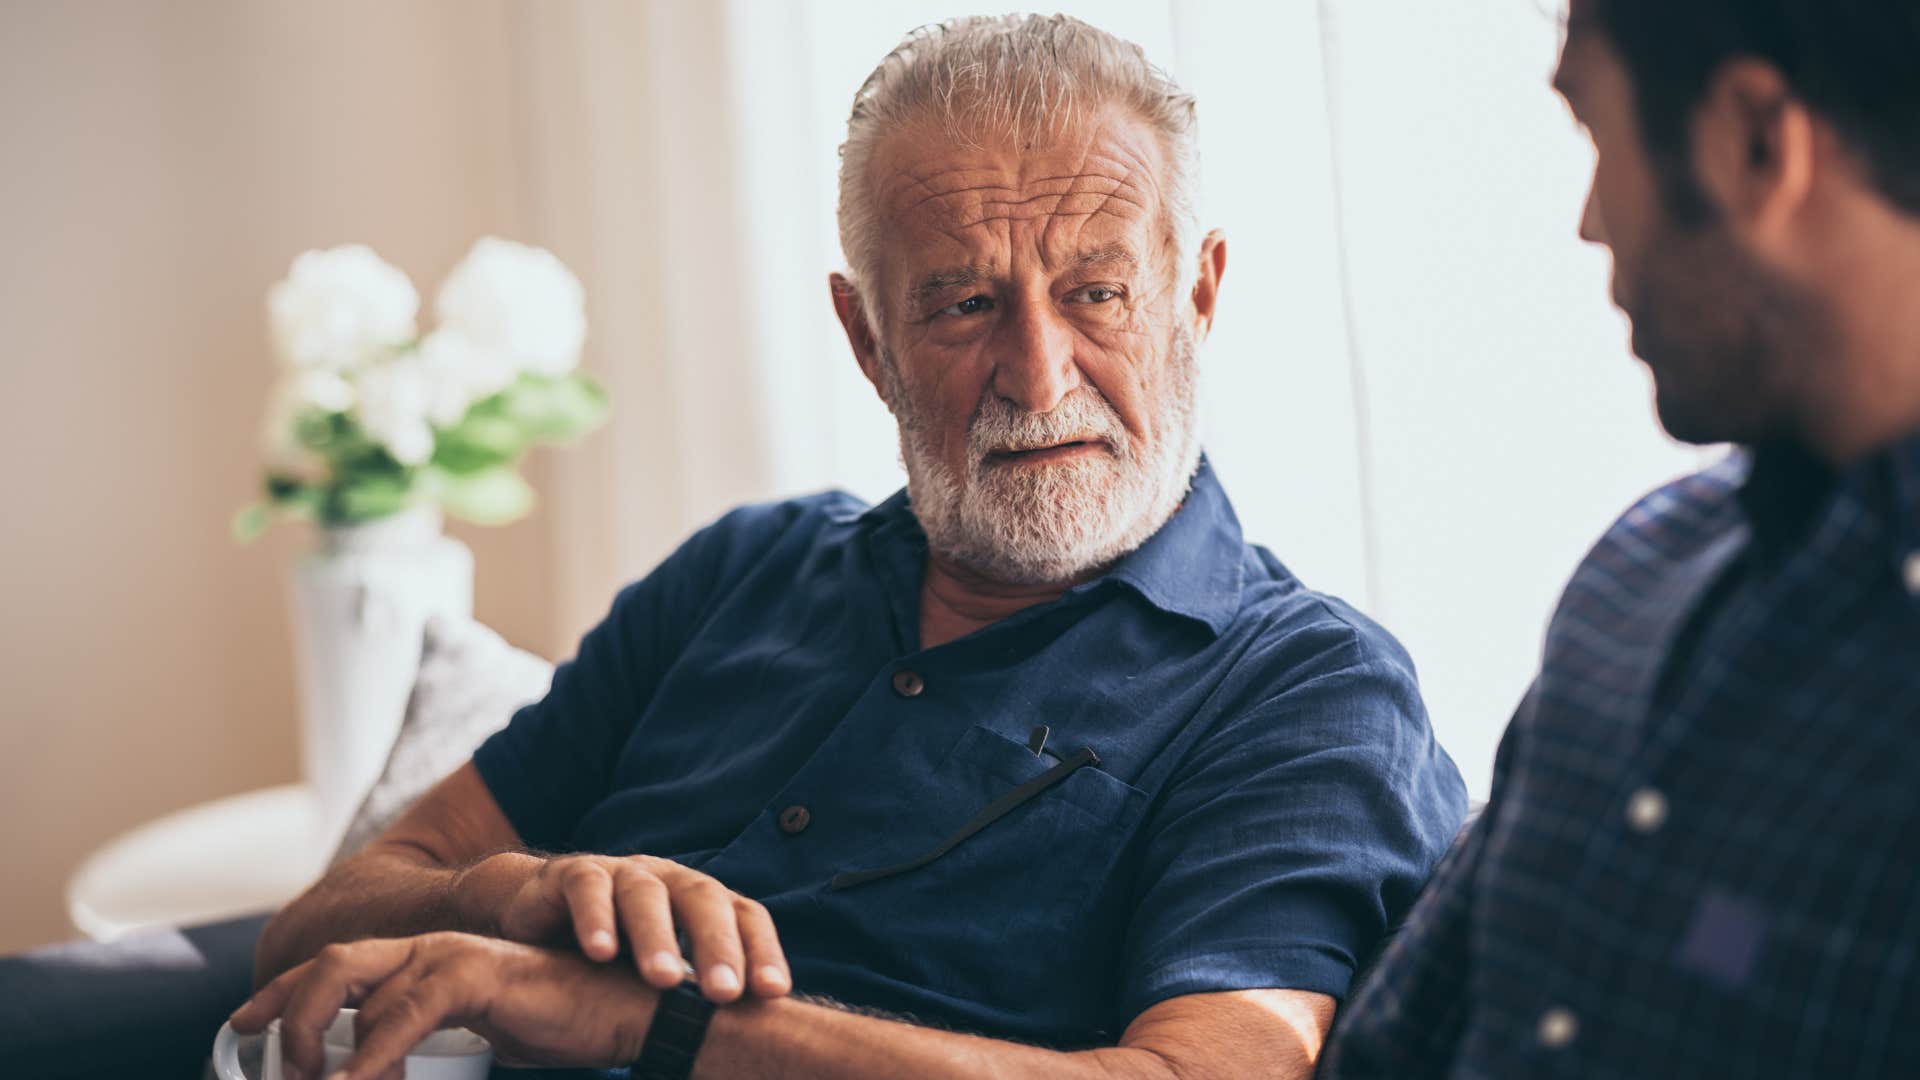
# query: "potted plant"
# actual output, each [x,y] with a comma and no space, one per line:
[372,432]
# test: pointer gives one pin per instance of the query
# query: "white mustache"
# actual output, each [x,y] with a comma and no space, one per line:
[1083,416]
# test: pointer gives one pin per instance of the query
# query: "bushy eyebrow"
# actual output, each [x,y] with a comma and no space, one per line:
[934,282]
[1112,253]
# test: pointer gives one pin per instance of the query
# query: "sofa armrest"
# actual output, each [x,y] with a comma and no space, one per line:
[146,1005]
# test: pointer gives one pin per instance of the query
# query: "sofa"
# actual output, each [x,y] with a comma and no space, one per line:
[149,1004]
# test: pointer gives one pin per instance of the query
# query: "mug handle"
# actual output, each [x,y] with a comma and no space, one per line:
[226,1054]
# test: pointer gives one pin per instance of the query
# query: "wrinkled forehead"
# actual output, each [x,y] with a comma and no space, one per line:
[976,199]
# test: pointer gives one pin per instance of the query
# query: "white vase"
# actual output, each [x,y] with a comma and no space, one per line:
[359,604]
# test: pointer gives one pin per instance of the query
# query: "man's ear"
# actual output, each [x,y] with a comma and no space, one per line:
[852,311]
[1754,148]
[1206,286]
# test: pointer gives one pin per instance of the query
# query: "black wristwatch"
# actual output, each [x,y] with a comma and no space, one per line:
[673,1039]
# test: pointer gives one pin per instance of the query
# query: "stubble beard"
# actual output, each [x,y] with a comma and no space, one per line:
[1727,339]
[1039,524]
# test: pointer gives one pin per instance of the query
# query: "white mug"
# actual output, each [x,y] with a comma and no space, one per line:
[447,1054]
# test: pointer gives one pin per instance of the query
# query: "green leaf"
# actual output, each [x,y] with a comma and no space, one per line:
[317,430]
[493,496]
[300,500]
[287,497]
[365,497]
[556,410]
[251,522]
[280,488]
[478,442]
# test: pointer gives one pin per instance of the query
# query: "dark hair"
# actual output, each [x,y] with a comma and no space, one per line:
[1854,62]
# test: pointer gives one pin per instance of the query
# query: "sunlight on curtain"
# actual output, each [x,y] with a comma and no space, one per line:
[1506,422]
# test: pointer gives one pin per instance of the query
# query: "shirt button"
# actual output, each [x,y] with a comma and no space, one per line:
[908,683]
[1646,811]
[1911,571]
[793,820]
[1558,1027]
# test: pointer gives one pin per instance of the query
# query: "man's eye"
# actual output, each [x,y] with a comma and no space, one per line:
[1099,294]
[972,305]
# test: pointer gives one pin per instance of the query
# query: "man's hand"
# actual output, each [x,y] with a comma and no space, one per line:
[597,900]
[536,1006]
[555,1007]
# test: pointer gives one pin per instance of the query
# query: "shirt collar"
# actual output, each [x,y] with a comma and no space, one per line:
[1191,567]
[1787,488]
[1194,566]
[1784,490]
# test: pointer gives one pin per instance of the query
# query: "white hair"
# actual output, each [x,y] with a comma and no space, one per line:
[1024,78]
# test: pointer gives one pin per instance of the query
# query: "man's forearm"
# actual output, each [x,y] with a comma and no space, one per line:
[794,1039]
[390,890]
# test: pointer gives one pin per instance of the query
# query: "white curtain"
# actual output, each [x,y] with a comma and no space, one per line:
[1418,395]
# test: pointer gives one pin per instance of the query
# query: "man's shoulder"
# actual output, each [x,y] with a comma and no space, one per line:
[751,529]
[753,537]
[1313,675]
[1700,504]
[1277,603]
[1293,633]
[1647,566]
[819,510]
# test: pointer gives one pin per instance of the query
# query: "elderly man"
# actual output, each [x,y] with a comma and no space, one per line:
[1702,856]
[1036,752]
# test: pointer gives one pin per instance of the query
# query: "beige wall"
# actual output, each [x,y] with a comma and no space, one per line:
[162,164]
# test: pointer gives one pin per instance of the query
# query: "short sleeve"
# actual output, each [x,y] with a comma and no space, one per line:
[1294,835]
[553,762]
[1406,1015]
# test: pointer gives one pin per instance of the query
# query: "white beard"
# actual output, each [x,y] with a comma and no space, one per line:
[1050,523]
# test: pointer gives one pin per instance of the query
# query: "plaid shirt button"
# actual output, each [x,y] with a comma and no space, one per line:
[1646,811]
[1557,1028]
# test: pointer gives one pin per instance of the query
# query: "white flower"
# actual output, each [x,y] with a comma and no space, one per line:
[518,302]
[459,374]
[392,410]
[340,309]
[294,396]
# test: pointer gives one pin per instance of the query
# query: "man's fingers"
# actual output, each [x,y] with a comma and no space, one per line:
[381,1002]
[646,914]
[589,892]
[266,1002]
[766,961]
[704,909]
[337,976]
[390,1026]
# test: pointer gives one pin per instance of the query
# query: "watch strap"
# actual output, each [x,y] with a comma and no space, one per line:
[673,1039]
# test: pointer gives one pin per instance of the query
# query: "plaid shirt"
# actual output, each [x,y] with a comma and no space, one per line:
[1702,857]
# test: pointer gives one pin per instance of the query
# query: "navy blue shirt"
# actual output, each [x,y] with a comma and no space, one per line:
[1238,787]
[1702,856]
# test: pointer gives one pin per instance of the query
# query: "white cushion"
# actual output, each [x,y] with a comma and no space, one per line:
[470,683]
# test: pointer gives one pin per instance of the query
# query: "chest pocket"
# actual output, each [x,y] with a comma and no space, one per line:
[1009,895]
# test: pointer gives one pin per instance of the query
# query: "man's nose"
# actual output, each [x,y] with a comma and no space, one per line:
[1593,228]
[1033,364]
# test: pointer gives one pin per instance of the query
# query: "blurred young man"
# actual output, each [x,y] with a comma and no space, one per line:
[1702,856]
